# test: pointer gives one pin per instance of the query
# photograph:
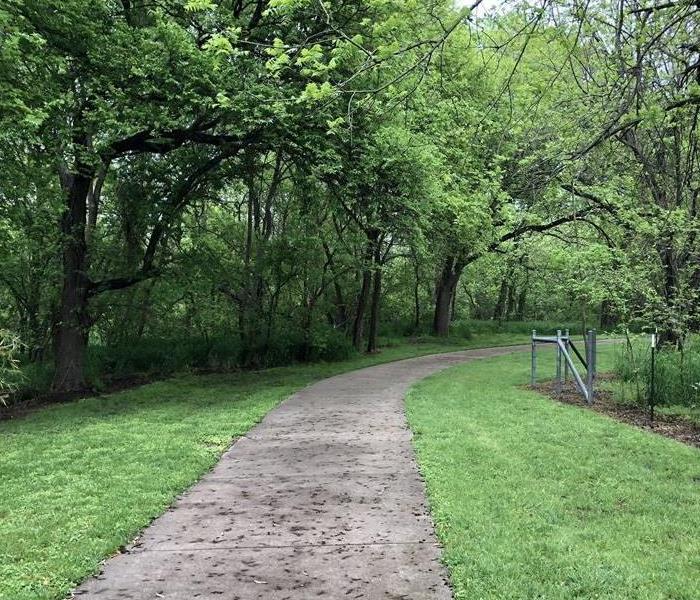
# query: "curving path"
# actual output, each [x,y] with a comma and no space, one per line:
[322,499]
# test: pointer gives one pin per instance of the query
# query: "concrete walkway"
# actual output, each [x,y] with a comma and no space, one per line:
[322,499]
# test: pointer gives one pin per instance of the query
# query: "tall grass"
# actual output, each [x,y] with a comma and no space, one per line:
[676,378]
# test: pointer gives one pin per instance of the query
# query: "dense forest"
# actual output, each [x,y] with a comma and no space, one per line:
[255,182]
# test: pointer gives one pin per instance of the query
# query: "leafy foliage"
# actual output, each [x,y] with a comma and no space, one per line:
[296,176]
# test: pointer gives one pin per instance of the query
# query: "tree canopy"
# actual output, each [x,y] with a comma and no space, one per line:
[291,179]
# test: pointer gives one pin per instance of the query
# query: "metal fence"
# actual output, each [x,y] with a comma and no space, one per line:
[566,350]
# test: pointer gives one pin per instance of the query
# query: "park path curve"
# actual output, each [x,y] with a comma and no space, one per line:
[322,499]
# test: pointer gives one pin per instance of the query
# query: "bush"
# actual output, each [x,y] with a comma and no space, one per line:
[331,345]
[678,376]
[10,373]
[469,327]
[152,357]
[160,356]
[164,356]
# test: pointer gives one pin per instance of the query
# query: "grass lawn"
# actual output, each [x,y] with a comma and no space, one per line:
[79,480]
[536,499]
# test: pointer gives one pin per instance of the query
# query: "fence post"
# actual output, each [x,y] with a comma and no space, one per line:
[594,343]
[652,383]
[566,363]
[558,359]
[590,366]
[533,366]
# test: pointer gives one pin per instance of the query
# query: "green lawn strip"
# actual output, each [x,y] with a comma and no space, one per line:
[79,480]
[536,499]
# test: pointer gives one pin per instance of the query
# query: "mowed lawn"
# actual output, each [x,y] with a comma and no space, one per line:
[79,480]
[535,499]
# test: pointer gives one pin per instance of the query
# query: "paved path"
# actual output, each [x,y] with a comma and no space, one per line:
[322,499]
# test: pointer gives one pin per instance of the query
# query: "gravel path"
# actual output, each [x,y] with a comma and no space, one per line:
[322,499]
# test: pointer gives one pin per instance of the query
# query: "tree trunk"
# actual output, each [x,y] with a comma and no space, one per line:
[444,290]
[339,317]
[416,299]
[376,300]
[522,301]
[358,323]
[72,330]
[522,296]
[251,324]
[500,307]
[510,303]
[607,315]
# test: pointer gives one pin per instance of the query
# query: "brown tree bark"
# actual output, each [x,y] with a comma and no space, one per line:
[376,300]
[444,290]
[522,301]
[510,303]
[72,329]
[358,324]
[500,307]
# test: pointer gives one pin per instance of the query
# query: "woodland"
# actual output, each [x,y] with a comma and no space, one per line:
[207,206]
[224,184]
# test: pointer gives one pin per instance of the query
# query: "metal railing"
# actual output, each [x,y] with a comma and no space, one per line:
[566,349]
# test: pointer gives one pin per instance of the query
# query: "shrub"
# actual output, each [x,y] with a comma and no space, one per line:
[468,327]
[152,357]
[331,345]
[156,356]
[10,374]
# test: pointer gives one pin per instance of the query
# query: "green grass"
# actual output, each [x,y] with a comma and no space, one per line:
[81,479]
[536,499]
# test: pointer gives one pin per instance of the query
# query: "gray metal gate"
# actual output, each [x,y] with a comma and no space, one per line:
[565,349]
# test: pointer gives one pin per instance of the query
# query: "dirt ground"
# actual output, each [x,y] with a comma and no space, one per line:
[674,427]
